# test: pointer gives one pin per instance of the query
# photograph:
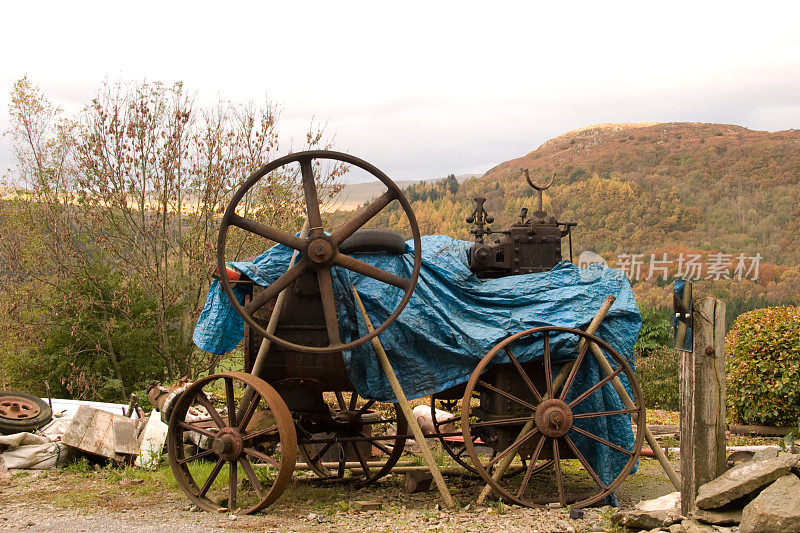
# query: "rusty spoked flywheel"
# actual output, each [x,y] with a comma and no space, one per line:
[246,447]
[564,412]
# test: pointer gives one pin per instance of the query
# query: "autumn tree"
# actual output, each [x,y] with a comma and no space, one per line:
[122,204]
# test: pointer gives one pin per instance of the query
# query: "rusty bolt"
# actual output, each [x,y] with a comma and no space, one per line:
[710,350]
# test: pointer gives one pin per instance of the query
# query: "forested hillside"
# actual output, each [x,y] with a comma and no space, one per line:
[645,188]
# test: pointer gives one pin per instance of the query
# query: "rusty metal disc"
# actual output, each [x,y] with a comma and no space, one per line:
[254,439]
[18,408]
[543,420]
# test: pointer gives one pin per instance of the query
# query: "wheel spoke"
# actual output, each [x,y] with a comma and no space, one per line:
[211,477]
[310,192]
[340,400]
[602,441]
[329,306]
[524,375]
[244,418]
[362,217]
[377,444]
[233,483]
[507,395]
[195,457]
[559,474]
[287,239]
[197,429]
[548,371]
[573,371]
[251,475]
[260,432]
[366,406]
[275,288]
[512,448]
[324,449]
[262,457]
[606,413]
[596,386]
[504,421]
[584,462]
[353,401]
[364,465]
[230,401]
[205,402]
[529,470]
[373,272]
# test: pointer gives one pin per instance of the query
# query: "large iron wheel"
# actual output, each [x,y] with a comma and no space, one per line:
[547,420]
[257,435]
[319,251]
[363,427]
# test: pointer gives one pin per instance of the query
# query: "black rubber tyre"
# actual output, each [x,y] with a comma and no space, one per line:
[17,421]
[374,240]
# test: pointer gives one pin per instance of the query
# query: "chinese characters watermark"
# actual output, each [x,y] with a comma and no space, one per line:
[715,266]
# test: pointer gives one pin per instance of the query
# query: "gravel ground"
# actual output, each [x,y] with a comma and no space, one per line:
[106,500]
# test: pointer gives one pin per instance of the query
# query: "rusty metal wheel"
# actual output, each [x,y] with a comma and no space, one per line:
[358,431]
[257,435]
[552,414]
[319,252]
[20,412]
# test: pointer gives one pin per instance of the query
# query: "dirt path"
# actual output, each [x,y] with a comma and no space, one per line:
[115,500]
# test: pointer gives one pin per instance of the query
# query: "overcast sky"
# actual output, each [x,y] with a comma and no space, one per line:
[422,89]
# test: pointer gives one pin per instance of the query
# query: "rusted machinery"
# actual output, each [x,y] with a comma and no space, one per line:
[295,398]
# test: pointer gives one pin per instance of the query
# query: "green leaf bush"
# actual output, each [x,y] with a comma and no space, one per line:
[658,375]
[762,354]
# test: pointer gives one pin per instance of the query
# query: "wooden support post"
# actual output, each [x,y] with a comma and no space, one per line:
[702,401]
[419,437]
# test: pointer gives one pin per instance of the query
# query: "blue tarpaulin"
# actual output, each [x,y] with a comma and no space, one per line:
[453,319]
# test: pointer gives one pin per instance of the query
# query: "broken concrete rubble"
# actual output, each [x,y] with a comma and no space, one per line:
[718,517]
[743,480]
[637,519]
[775,509]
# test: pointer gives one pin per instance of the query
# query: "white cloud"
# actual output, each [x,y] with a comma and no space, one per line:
[423,89]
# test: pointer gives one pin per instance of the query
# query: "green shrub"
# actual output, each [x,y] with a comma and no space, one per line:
[762,354]
[656,332]
[658,376]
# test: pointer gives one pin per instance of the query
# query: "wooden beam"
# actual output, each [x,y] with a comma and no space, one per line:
[702,401]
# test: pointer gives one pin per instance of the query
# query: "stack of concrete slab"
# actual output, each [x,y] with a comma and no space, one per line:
[758,496]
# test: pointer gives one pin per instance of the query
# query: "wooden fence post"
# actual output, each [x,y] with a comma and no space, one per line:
[702,401]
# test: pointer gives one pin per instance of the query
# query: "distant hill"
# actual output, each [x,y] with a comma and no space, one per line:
[636,186]
[354,195]
[650,187]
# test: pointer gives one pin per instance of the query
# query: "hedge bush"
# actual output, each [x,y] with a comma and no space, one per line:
[762,354]
[658,376]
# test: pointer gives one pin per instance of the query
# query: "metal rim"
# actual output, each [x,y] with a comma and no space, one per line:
[318,251]
[548,414]
[234,443]
[369,473]
[18,408]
